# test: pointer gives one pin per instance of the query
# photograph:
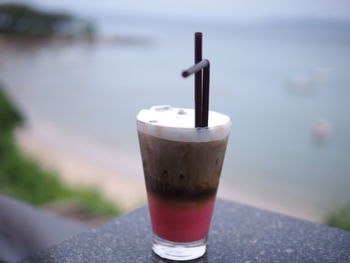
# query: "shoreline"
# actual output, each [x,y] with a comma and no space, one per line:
[80,163]
[119,175]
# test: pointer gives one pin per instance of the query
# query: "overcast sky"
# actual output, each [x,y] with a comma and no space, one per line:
[241,10]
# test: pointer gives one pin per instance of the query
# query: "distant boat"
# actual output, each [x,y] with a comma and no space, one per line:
[321,130]
[307,82]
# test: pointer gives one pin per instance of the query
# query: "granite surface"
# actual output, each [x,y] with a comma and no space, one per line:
[238,234]
[24,230]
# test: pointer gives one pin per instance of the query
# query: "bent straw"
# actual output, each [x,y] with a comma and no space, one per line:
[195,68]
[205,66]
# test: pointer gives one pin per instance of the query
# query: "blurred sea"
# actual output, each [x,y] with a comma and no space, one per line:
[274,79]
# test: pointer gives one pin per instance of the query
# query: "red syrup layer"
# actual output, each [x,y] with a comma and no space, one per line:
[180,221]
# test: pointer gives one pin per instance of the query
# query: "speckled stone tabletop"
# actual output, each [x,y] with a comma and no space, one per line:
[238,234]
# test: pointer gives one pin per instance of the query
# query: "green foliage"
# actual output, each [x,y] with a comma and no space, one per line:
[341,219]
[9,115]
[89,201]
[19,19]
[22,178]
[23,20]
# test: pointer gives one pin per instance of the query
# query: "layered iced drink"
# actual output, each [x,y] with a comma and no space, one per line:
[182,167]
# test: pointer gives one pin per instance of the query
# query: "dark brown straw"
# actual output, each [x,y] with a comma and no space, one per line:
[198,80]
[203,65]
[205,107]
[201,69]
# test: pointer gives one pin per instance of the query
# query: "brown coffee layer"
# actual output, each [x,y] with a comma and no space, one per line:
[181,170]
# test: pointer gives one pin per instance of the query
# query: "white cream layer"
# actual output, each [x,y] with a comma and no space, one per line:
[177,124]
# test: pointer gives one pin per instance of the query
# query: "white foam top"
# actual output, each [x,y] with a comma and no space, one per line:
[178,124]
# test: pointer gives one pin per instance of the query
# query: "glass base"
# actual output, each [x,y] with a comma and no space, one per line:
[180,251]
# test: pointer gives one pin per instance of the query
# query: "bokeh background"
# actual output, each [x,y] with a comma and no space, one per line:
[79,71]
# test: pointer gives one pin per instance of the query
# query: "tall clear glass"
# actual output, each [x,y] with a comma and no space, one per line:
[182,167]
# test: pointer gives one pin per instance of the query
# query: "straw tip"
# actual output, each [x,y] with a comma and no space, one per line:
[198,34]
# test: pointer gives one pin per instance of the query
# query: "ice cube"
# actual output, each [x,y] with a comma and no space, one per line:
[181,112]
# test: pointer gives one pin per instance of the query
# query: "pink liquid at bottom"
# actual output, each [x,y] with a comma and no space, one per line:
[180,221]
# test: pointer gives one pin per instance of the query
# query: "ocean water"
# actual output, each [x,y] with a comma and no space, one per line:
[274,80]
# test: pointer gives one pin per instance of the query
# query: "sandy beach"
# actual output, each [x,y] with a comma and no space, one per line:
[118,175]
[79,162]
